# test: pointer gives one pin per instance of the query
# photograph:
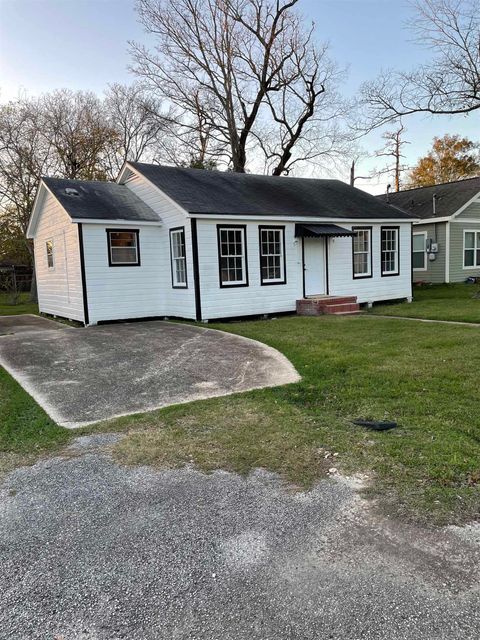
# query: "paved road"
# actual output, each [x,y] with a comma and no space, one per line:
[95,551]
[80,376]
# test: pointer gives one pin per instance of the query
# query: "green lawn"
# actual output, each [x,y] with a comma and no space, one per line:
[423,376]
[7,308]
[438,302]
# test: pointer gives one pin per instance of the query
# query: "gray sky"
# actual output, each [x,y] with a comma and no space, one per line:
[83,44]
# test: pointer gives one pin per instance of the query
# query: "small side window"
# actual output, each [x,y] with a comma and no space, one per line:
[178,258]
[123,249]
[419,248]
[50,258]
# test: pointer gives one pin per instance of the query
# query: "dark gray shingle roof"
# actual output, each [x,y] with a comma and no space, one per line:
[100,200]
[226,193]
[450,196]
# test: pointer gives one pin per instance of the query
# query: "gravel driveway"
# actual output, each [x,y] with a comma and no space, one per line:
[80,376]
[95,551]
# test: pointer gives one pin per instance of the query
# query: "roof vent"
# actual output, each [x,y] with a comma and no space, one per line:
[71,192]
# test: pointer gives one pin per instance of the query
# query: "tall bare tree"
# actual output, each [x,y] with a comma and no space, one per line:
[141,125]
[392,148]
[450,82]
[253,68]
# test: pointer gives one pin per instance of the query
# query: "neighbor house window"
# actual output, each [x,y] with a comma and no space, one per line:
[389,251]
[362,252]
[419,251]
[49,250]
[177,254]
[232,256]
[272,255]
[471,249]
[123,249]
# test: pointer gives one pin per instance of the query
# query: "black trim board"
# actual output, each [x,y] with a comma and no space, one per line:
[123,264]
[266,227]
[243,227]
[86,318]
[363,277]
[196,271]
[170,231]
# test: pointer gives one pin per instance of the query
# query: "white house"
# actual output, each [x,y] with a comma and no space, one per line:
[188,243]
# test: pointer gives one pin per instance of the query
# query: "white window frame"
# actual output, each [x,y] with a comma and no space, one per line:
[369,272]
[181,259]
[396,271]
[243,231]
[425,255]
[50,253]
[115,263]
[475,248]
[280,256]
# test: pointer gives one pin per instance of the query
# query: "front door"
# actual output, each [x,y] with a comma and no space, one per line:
[314,267]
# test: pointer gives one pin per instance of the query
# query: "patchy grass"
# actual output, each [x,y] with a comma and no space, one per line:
[438,302]
[7,308]
[25,429]
[423,376]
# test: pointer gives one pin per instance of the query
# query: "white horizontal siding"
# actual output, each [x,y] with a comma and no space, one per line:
[60,288]
[376,288]
[222,302]
[218,302]
[177,302]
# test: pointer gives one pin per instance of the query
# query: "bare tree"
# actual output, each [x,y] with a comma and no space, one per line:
[250,64]
[74,124]
[450,82]
[140,123]
[393,149]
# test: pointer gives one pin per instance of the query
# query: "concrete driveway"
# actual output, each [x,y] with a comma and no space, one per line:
[92,550]
[80,376]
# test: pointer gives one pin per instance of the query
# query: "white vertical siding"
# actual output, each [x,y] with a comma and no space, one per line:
[60,288]
[376,288]
[176,302]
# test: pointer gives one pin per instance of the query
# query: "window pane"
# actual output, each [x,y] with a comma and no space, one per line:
[124,254]
[418,260]
[179,266]
[470,240]
[271,255]
[361,252]
[469,257]
[231,255]
[419,242]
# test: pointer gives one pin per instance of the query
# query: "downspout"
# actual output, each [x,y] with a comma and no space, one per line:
[447,251]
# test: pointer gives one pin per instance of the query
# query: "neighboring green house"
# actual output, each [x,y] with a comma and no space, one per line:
[446,240]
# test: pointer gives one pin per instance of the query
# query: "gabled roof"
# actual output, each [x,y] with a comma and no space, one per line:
[95,200]
[225,193]
[449,198]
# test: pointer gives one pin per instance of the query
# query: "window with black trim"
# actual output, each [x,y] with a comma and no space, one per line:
[232,256]
[390,251]
[272,255]
[178,258]
[123,248]
[49,250]
[362,252]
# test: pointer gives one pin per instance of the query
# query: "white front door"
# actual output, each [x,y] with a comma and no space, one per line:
[314,256]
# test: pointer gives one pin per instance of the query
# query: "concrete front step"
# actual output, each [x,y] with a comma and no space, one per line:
[318,306]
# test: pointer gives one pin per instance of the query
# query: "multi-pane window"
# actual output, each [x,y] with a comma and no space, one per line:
[419,255]
[49,250]
[389,258]
[272,255]
[471,249]
[177,252]
[123,247]
[232,256]
[362,252]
